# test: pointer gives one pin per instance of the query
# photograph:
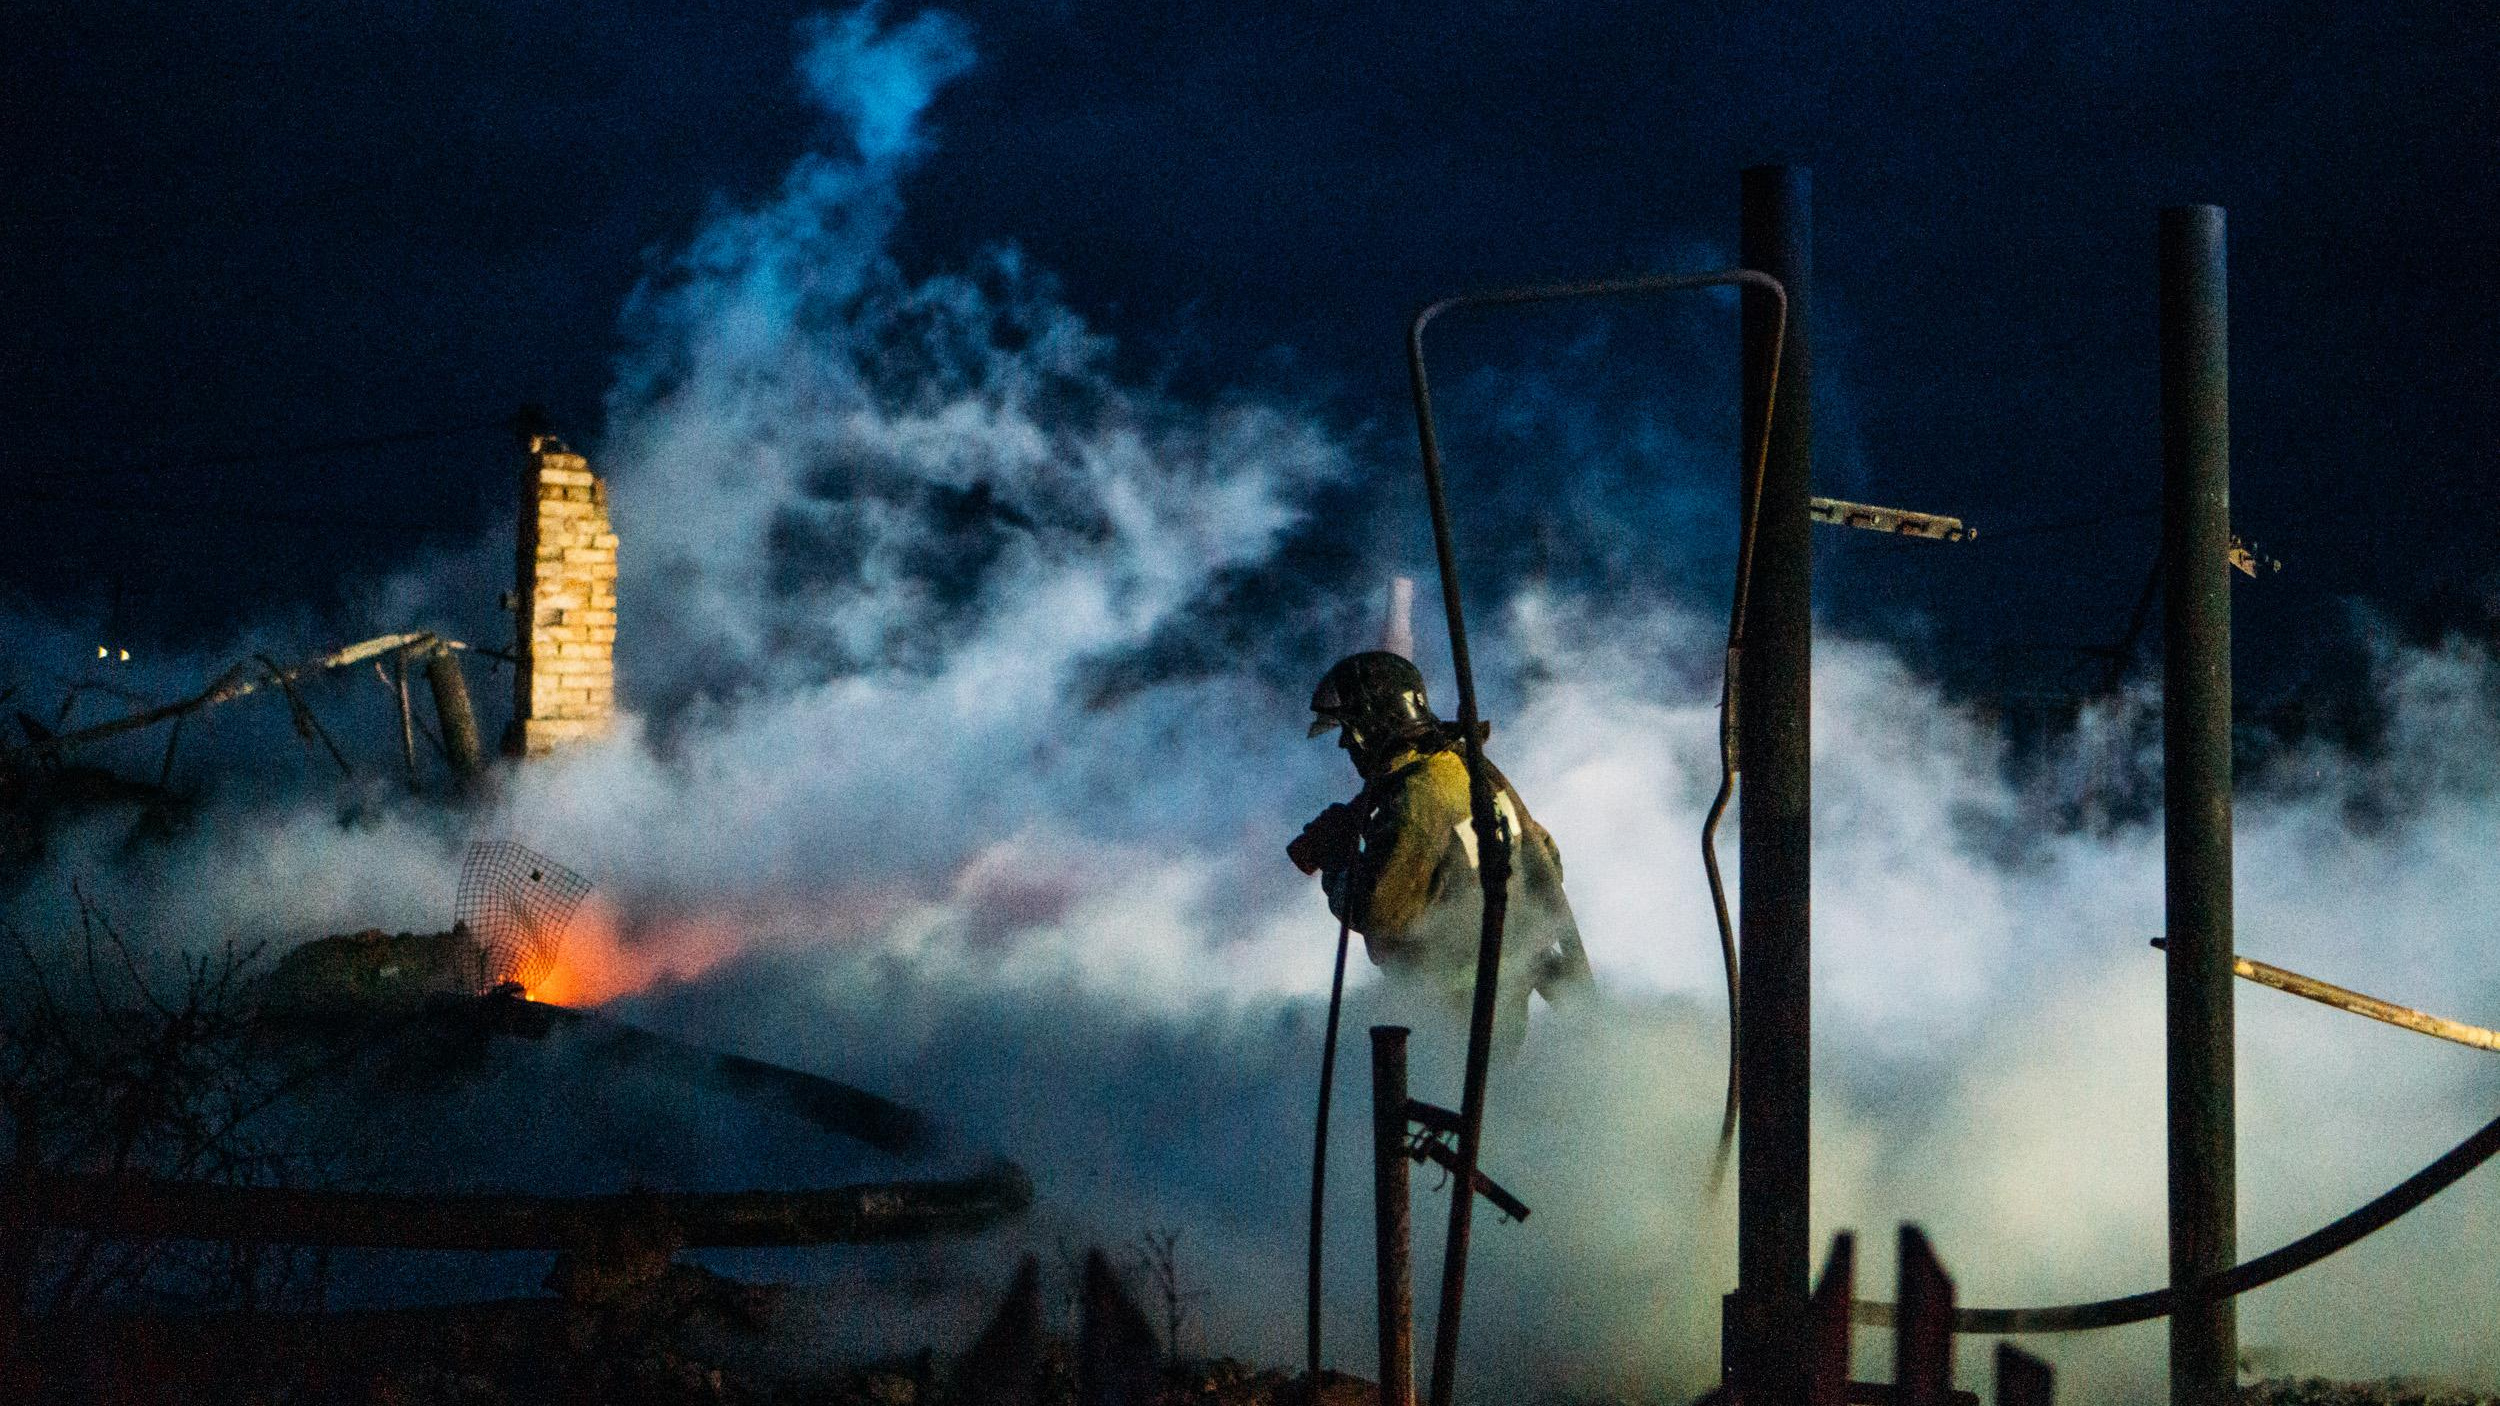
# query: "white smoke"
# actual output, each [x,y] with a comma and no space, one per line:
[875,816]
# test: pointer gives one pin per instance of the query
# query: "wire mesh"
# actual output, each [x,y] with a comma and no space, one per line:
[516,904]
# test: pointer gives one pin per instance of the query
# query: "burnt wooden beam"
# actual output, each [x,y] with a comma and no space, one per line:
[234,683]
[149,1208]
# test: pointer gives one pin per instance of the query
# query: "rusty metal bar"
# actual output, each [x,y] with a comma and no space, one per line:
[1392,1217]
[2345,999]
[1439,1153]
[1773,842]
[2022,1379]
[1900,522]
[147,1208]
[1491,843]
[1922,1332]
[2196,797]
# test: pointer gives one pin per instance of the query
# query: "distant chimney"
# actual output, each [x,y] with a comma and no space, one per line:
[564,687]
[1398,635]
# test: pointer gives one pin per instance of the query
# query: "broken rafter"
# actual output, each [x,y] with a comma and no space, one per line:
[234,683]
[307,726]
[407,718]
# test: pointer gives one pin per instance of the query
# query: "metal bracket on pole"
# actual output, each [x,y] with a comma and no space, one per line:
[1900,522]
[2249,558]
[1436,1141]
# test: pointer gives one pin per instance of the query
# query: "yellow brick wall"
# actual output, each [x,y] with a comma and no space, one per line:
[566,681]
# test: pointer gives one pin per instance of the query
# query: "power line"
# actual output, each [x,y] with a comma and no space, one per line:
[73,468]
[61,481]
[194,512]
[2072,524]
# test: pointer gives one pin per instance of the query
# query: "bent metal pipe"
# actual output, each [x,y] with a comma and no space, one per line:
[1490,843]
[2391,1205]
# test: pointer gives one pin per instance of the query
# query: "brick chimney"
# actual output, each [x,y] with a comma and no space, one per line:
[565,605]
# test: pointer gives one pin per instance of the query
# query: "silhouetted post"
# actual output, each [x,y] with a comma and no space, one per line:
[2022,1379]
[1922,1325]
[1392,1217]
[1004,1366]
[18,1249]
[1772,1251]
[451,709]
[1117,1356]
[2196,795]
[1834,1294]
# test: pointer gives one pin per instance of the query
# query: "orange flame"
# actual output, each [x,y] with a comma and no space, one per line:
[599,963]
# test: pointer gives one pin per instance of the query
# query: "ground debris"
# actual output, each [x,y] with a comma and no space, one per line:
[1227,1382]
[1215,1382]
[372,974]
[2395,1391]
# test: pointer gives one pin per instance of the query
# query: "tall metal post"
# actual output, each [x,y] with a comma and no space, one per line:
[1392,1217]
[2196,795]
[1773,697]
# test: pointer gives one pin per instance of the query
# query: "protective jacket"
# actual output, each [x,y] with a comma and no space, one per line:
[1415,892]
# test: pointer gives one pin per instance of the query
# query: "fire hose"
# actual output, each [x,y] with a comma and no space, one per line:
[2375,1215]
[2291,1258]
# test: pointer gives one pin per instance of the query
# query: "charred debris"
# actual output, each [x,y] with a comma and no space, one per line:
[561,664]
[182,1177]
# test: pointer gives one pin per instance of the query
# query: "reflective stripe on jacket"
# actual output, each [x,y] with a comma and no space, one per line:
[1415,892]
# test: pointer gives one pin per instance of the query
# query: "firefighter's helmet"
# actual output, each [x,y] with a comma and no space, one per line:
[1375,693]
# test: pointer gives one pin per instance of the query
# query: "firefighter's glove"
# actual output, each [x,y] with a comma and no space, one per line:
[1330,842]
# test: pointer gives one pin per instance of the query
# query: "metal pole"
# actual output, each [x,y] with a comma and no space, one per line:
[2196,796]
[1774,943]
[1392,1217]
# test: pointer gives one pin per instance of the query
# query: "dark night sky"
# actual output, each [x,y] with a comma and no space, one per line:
[239,228]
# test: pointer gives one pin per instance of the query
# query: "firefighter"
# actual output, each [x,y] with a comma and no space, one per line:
[1399,861]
